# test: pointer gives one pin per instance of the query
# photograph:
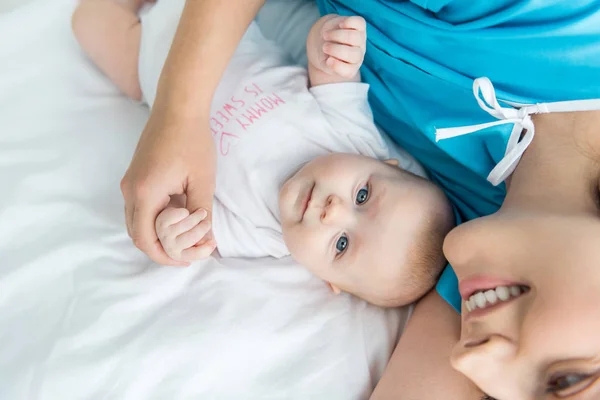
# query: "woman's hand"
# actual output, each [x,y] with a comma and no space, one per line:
[172,157]
[176,154]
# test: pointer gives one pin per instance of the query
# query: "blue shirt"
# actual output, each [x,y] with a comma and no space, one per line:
[423,55]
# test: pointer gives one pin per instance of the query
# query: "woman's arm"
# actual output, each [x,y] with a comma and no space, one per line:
[207,36]
[420,366]
[175,154]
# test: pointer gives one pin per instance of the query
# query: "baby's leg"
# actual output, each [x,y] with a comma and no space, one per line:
[109,32]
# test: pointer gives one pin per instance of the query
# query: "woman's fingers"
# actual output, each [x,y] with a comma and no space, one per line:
[141,210]
[144,235]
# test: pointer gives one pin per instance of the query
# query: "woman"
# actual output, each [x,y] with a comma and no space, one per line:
[545,341]
[541,342]
[421,62]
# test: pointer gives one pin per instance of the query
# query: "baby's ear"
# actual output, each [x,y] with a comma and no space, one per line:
[334,288]
[392,161]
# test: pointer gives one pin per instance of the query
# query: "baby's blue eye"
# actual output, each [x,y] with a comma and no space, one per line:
[363,195]
[341,244]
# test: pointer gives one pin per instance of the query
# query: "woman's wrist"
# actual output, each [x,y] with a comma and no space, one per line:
[180,103]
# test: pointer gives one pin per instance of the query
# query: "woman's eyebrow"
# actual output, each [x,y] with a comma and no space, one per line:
[591,362]
[591,366]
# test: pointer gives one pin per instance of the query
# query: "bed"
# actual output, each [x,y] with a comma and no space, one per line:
[85,315]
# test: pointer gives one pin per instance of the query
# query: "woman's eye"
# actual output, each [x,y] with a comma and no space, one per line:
[363,195]
[341,244]
[569,384]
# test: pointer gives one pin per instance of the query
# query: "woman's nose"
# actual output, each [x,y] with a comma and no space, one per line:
[489,361]
[334,211]
[460,245]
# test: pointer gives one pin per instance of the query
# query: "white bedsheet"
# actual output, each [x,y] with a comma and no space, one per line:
[84,315]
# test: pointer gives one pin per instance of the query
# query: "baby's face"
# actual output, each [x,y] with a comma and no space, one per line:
[350,219]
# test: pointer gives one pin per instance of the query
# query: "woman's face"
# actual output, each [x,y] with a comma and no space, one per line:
[542,341]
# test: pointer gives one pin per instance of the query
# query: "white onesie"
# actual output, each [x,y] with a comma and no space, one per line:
[266,123]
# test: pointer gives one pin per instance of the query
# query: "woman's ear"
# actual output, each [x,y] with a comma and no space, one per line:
[334,288]
[392,161]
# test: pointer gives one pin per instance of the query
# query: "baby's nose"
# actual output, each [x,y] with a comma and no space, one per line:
[334,212]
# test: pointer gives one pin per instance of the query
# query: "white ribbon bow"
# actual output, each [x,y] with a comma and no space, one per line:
[523,129]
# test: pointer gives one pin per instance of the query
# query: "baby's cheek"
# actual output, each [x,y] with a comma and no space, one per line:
[303,246]
[294,241]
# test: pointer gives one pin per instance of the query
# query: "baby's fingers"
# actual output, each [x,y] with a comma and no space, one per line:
[169,217]
[199,252]
[188,223]
[194,235]
[348,54]
[348,37]
[341,68]
[355,22]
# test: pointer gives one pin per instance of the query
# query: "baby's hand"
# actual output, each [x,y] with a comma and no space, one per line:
[344,45]
[182,234]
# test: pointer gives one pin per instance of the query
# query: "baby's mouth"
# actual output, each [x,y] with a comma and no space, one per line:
[306,201]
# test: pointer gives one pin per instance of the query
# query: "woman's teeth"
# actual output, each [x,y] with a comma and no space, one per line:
[487,298]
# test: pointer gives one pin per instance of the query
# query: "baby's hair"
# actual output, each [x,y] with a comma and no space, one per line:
[425,260]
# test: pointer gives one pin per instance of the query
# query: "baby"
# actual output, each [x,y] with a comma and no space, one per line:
[300,168]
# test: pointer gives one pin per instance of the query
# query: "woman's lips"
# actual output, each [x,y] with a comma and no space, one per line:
[480,312]
[468,287]
[483,294]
